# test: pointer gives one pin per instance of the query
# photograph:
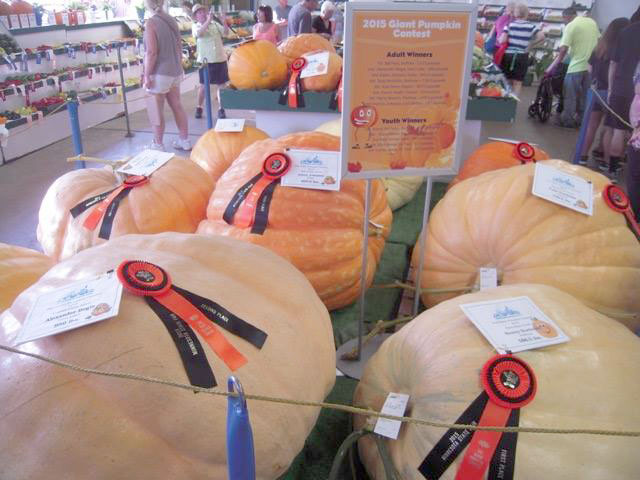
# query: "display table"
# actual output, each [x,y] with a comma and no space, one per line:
[278,120]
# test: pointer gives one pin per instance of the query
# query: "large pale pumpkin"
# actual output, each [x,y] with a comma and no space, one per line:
[106,428]
[590,382]
[400,190]
[257,64]
[174,200]
[493,156]
[297,45]
[19,268]
[329,81]
[493,220]
[214,151]
[320,232]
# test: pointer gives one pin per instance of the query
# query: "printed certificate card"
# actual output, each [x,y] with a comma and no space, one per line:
[76,305]
[564,189]
[316,169]
[514,324]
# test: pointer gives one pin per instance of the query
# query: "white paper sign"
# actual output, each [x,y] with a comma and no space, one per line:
[514,324]
[229,125]
[317,64]
[562,188]
[317,169]
[488,278]
[145,163]
[395,404]
[76,305]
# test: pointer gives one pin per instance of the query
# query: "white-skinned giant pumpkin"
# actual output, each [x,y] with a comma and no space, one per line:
[590,382]
[63,424]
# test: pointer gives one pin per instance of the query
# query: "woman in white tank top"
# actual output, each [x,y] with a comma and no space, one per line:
[163,73]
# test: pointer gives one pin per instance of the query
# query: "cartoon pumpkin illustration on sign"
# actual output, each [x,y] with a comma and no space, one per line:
[544,329]
[364,116]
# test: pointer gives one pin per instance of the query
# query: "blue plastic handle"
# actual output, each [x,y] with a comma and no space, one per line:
[241,462]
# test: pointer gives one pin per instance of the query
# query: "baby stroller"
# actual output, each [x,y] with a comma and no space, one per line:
[550,86]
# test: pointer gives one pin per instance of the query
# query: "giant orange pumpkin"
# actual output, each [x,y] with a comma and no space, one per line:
[297,45]
[590,382]
[493,220]
[320,232]
[495,155]
[214,151]
[107,428]
[174,199]
[328,81]
[257,64]
[19,268]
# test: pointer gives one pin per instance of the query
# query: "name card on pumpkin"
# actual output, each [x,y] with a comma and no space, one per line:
[317,64]
[559,187]
[316,169]
[229,125]
[514,324]
[395,404]
[145,163]
[81,303]
[488,278]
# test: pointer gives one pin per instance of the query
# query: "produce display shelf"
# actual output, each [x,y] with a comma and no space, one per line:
[64,50]
[483,109]
[51,28]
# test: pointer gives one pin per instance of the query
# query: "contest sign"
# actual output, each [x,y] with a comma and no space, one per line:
[406,79]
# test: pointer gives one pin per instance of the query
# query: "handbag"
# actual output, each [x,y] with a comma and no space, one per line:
[499,55]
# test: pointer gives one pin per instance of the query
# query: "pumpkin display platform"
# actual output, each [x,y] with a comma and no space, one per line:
[66,424]
[589,382]
[493,220]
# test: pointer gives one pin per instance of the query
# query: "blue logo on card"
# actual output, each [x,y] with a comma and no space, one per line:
[564,181]
[315,160]
[506,312]
[83,292]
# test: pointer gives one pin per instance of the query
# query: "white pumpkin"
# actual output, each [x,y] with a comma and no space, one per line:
[592,381]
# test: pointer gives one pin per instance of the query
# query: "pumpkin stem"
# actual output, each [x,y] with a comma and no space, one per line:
[379,326]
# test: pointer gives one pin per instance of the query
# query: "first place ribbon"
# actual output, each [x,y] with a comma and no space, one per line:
[107,205]
[198,313]
[249,207]
[292,94]
[524,152]
[619,202]
[509,384]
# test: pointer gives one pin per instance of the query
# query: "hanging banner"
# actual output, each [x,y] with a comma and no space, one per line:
[407,70]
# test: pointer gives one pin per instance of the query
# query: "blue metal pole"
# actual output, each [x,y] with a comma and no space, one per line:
[241,463]
[72,107]
[207,93]
[583,128]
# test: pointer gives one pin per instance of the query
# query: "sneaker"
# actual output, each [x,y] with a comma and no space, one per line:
[199,112]
[222,113]
[583,160]
[182,144]
[603,166]
[597,153]
[156,146]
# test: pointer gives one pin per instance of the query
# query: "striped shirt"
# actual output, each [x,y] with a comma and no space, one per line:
[520,34]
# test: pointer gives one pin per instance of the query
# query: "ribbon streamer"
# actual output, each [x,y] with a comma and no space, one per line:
[250,204]
[292,94]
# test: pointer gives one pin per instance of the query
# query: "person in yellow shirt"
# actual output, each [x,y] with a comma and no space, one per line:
[210,53]
[579,38]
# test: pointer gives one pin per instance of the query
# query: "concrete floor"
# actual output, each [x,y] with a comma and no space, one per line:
[23,182]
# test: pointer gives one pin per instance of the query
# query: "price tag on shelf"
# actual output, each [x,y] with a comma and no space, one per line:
[488,278]
[315,169]
[317,64]
[395,404]
[76,305]
[514,324]
[562,188]
[229,125]
[145,163]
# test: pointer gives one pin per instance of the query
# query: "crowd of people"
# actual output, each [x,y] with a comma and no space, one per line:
[607,63]
[162,70]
